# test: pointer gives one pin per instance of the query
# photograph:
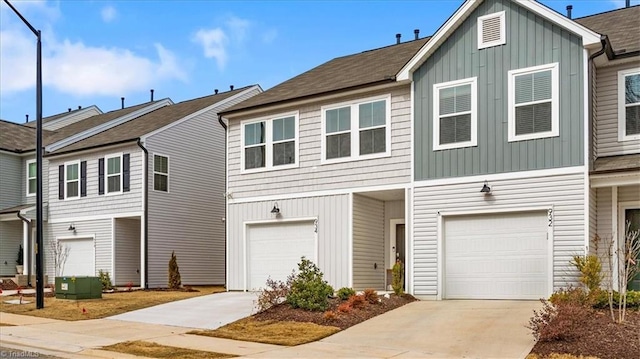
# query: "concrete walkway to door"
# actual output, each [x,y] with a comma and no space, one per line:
[430,329]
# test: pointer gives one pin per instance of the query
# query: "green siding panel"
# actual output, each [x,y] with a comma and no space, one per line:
[531,41]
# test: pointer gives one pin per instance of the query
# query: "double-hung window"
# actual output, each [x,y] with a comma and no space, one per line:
[72,180]
[114,173]
[31,178]
[160,173]
[629,105]
[533,103]
[356,130]
[455,114]
[270,143]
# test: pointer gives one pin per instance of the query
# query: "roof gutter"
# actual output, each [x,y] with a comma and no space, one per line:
[146,213]
[604,41]
[27,221]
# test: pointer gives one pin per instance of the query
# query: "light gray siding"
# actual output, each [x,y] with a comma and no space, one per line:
[593,217]
[368,243]
[10,178]
[563,193]
[100,229]
[10,241]
[71,118]
[333,216]
[93,203]
[127,251]
[189,218]
[530,41]
[311,174]
[607,113]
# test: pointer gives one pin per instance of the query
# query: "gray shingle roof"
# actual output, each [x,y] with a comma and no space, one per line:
[617,163]
[17,138]
[366,68]
[133,129]
[622,26]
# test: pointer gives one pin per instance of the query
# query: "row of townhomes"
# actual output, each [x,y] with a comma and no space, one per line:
[483,158]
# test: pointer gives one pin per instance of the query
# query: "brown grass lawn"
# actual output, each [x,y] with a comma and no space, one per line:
[558,356]
[271,332]
[6,325]
[154,350]
[110,304]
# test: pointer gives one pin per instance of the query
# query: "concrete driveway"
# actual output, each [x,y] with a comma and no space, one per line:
[430,329]
[205,312]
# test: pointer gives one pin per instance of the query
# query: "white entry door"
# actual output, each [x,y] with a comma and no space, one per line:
[496,256]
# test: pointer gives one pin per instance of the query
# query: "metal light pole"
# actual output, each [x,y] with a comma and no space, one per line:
[39,240]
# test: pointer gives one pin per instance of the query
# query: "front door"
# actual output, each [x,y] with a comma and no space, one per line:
[632,216]
[399,245]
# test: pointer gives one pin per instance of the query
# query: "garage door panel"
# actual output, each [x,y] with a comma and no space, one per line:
[274,250]
[80,261]
[497,256]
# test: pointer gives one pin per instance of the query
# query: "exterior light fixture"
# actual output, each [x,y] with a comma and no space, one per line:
[275,211]
[72,228]
[485,188]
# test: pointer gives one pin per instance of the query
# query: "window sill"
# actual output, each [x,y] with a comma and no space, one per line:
[269,169]
[533,136]
[452,146]
[355,158]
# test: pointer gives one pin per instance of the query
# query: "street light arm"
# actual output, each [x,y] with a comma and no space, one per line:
[33,29]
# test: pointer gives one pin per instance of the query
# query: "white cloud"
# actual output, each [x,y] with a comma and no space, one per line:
[239,28]
[214,43]
[108,13]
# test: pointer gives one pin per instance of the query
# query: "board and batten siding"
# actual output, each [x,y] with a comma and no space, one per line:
[189,218]
[530,41]
[10,180]
[100,229]
[563,193]
[333,234]
[127,251]
[607,113]
[311,174]
[93,203]
[368,243]
[10,241]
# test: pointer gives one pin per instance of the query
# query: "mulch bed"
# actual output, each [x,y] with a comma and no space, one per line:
[8,284]
[599,336]
[284,312]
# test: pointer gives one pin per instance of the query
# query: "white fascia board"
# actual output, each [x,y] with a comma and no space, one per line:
[588,36]
[105,126]
[74,113]
[218,106]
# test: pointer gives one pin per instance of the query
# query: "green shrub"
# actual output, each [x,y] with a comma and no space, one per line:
[308,289]
[590,270]
[174,272]
[602,299]
[105,279]
[397,280]
[345,292]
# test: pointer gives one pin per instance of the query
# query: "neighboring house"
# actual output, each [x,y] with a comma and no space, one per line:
[123,198]
[466,156]
[66,118]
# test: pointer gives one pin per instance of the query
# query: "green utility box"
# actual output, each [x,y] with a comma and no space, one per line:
[78,288]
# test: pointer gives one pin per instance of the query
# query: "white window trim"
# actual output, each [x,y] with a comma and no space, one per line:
[29,162]
[106,174]
[66,172]
[622,123]
[268,143]
[503,30]
[161,173]
[555,103]
[473,81]
[355,130]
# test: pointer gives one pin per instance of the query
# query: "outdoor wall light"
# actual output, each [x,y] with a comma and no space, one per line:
[485,188]
[72,228]
[275,211]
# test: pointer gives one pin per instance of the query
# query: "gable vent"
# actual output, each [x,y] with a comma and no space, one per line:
[491,30]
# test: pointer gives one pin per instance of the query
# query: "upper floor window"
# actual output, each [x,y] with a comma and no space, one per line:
[270,143]
[31,178]
[72,180]
[356,130]
[629,105]
[455,114]
[492,30]
[160,173]
[533,103]
[114,173]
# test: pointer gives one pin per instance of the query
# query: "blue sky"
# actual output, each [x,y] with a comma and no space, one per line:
[95,52]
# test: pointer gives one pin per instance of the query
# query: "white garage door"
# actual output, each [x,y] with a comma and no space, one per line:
[81,257]
[274,250]
[497,256]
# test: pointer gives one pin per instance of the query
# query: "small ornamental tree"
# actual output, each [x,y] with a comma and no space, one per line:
[174,272]
[397,280]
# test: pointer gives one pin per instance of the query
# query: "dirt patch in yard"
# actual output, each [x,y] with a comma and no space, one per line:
[599,336]
[342,320]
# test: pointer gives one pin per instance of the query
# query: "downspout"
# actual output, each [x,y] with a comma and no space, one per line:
[604,40]
[28,249]
[226,202]
[146,213]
